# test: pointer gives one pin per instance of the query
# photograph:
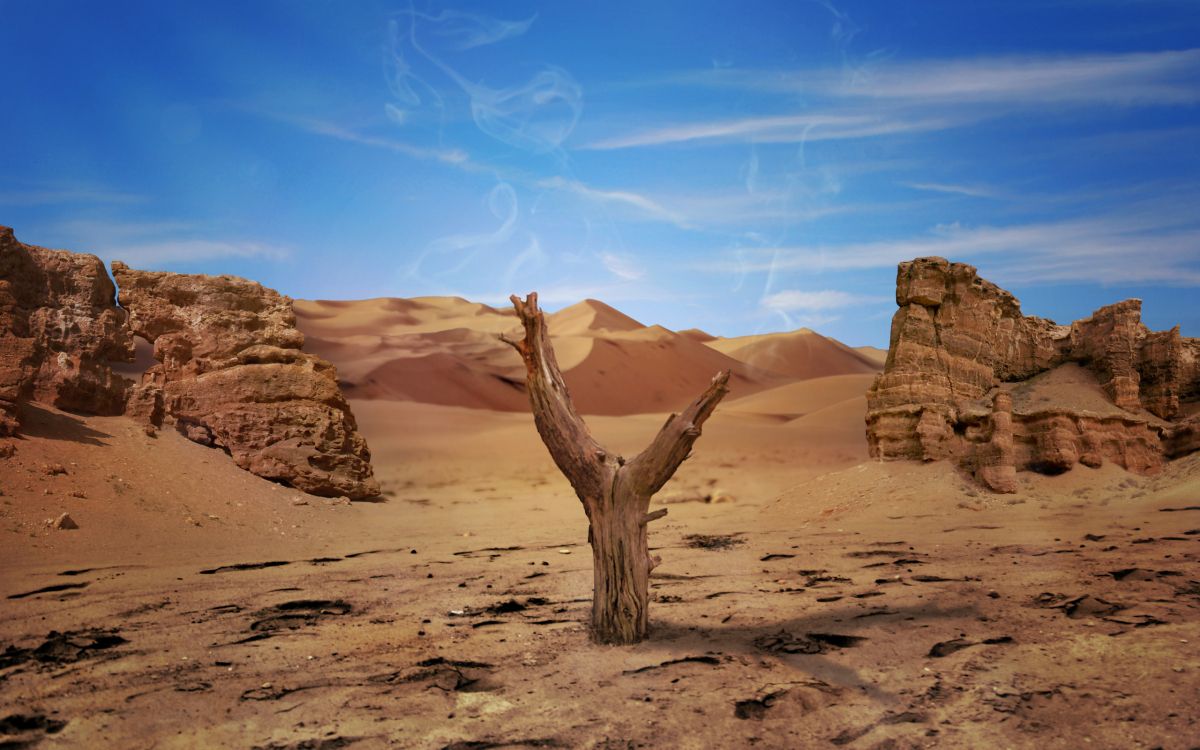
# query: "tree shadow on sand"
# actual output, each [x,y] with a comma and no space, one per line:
[39,422]
[739,639]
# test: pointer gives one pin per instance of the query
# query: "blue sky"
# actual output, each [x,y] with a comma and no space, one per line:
[740,167]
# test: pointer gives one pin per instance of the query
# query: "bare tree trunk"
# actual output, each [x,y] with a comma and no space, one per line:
[615,493]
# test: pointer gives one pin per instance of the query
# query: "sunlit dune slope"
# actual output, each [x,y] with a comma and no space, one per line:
[804,397]
[873,353]
[797,354]
[446,351]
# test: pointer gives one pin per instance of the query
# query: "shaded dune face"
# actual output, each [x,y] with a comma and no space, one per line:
[446,351]
[798,354]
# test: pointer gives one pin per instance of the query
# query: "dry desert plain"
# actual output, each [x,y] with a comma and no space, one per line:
[808,597]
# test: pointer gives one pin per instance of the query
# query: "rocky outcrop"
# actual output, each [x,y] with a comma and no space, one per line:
[230,372]
[963,381]
[59,329]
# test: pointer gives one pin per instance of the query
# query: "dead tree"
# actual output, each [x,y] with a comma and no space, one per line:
[615,493]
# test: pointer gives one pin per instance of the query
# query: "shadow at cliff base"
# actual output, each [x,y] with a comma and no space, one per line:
[38,421]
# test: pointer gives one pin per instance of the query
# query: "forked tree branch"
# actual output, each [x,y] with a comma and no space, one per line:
[651,468]
[571,445]
[615,493]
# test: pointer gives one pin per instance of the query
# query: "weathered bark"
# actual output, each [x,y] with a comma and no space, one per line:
[615,493]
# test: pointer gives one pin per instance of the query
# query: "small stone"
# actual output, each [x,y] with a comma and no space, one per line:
[65,522]
[191,521]
[150,430]
[7,450]
[79,494]
[343,500]
[299,501]
[54,469]
[564,551]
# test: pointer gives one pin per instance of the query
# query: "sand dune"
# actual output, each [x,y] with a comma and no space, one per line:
[797,354]
[414,315]
[873,353]
[590,317]
[445,351]
[698,335]
[803,397]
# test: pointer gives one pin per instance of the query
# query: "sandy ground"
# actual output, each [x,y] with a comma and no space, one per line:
[807,597]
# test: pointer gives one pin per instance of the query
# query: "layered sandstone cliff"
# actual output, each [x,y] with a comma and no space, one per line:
[230,372]
[59,329]
[971,379]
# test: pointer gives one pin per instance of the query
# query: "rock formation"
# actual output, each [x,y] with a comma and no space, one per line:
[970,379]
[231,373]
[59,328]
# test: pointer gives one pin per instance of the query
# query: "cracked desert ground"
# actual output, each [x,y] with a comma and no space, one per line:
[808,597]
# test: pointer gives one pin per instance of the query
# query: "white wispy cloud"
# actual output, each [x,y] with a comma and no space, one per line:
[973,191]
[628,199]
[622,266]
[563,293]
[1161,77]
[1130,248]
[463,31]
[452,156]
[50,195]
[697,210]
[176,252]
[890,97]
[157,243]
[775,129]
[794,300]
[1166,77]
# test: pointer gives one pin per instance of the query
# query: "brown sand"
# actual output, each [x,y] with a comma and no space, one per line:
[444,350]
[986,621]
[798,354]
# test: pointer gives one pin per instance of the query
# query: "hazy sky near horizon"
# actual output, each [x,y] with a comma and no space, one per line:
[739,167]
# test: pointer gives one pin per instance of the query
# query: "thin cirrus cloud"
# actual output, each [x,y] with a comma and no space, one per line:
[773,129]
[174,252]
[946,94]
[971,191]
[453,156]
[698,211]
[1070,251]
[1163,77]
[640,204]
[463,31]
[47,196]
[1167,77]
[794,300]
[622,266]
[154,244]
